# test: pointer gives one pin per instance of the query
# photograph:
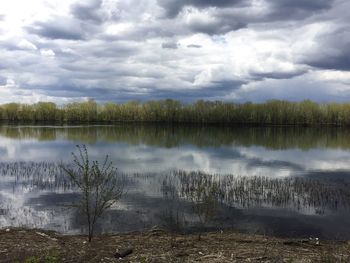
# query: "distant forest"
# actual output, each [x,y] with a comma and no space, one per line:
[273,112]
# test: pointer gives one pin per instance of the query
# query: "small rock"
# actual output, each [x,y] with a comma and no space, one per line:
[123,253]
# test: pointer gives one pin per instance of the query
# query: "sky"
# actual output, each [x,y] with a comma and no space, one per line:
[121,50]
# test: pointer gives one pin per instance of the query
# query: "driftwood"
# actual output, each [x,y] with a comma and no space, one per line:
[123,253]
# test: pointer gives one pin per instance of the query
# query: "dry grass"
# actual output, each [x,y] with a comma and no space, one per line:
[19,245]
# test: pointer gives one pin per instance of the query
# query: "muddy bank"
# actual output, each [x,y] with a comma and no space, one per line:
[20,245]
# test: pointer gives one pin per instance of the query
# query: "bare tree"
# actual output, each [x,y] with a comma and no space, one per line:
[100,185]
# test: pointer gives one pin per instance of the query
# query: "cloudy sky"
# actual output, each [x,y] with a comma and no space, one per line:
[119,50]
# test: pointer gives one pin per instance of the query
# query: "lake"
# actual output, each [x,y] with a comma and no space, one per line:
[282,181]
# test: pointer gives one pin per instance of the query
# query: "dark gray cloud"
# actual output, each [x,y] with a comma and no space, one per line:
[277,74]
[215,27]
[215,91]
[170,45]
[233,15]
[302,4]
[58,28]
[194,46]
[116,50]
[296,9]
[89,10]
[332,51]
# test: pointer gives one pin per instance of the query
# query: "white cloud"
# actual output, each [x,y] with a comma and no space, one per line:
[25,44]
[119,29]
[47,52]
[334,76]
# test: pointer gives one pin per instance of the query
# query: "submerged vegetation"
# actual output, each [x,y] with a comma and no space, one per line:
[171,111]
[213,197]
[298,193]
[295,192]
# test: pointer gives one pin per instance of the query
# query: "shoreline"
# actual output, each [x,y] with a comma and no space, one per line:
[35,245]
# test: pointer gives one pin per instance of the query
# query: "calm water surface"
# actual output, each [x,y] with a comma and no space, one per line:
[278,181]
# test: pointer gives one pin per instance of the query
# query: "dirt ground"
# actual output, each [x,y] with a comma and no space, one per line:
[32,246]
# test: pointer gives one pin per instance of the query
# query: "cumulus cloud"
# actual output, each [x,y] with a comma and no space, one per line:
[120,50]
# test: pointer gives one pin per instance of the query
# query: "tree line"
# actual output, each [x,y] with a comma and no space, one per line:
[274,112]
